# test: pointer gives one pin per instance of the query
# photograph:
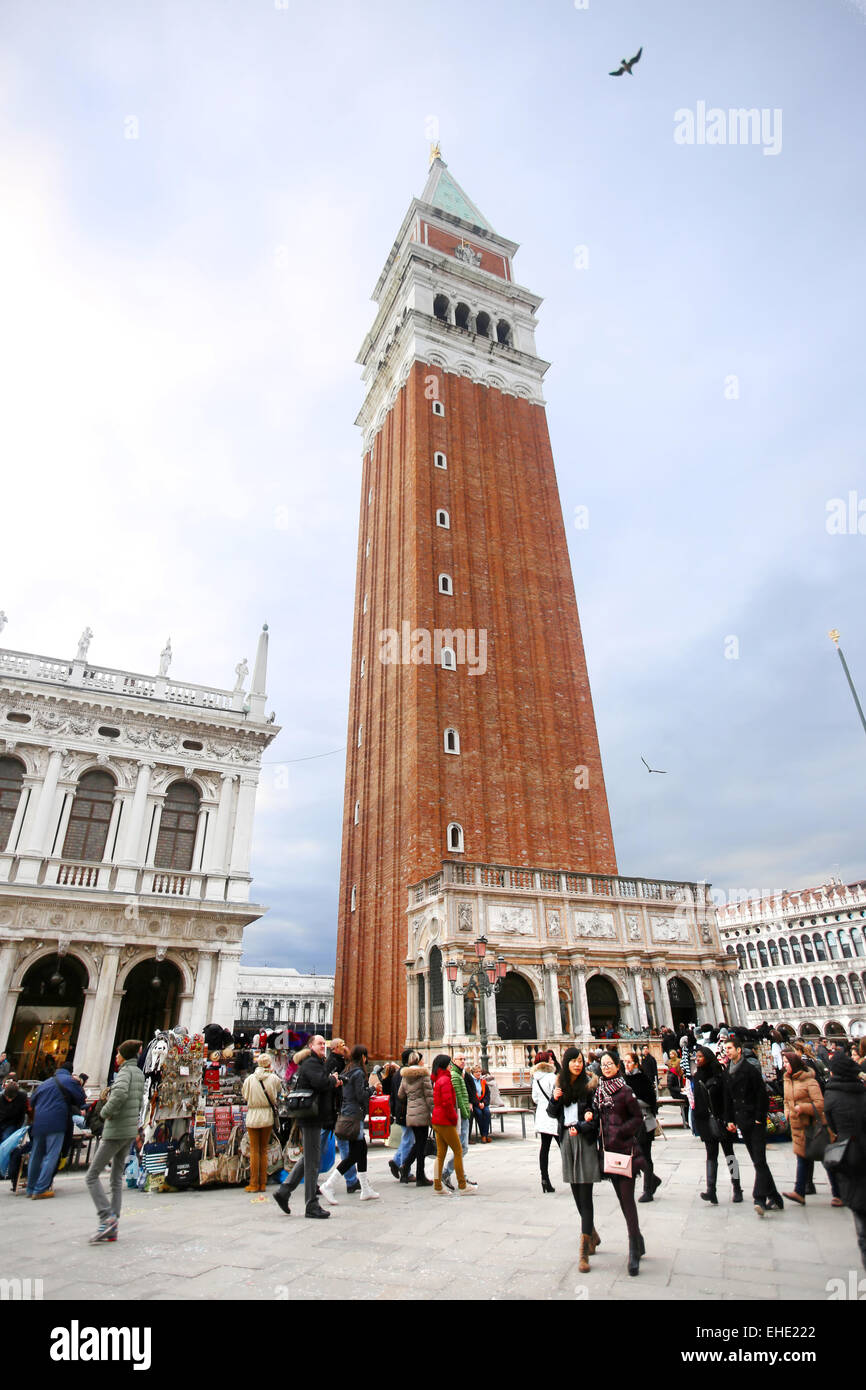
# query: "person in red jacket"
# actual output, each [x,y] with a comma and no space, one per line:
[445,1126]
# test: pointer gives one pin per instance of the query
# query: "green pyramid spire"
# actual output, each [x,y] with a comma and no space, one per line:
[443,191]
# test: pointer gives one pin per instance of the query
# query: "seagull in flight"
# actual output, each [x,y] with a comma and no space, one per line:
[661,770]
[627,64]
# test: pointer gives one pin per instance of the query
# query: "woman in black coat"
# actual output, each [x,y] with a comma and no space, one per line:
[845,1113]
[619,1118]
[646,1099]
[710,1123]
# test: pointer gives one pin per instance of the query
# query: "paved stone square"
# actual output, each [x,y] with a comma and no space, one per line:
[508,1242]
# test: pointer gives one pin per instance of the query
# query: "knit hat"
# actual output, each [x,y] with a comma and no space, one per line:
[843,1067]
[130,1048]
[544,1056]
[794,1058]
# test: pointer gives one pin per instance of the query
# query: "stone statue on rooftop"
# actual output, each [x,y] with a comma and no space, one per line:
[242,670]
[83,644]
[3,620]
[165,658]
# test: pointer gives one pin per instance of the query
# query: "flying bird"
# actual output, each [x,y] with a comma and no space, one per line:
[627,64]
[662,770]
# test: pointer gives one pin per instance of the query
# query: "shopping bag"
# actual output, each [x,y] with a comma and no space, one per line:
[395,1138]
[328,1154]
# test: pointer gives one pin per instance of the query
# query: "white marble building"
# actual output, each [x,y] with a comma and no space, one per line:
[277,998]
[802,958]
[582,951]
[126,820]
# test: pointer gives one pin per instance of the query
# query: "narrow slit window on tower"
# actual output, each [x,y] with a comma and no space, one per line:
[357,811]
[452,741]
[367,551]
[354,897]
[363,665]
[360,732]
[442,519]
[439,460]
[448,659]
[455,837]
[445,585]
[365,603]
[438,408]
[369,497]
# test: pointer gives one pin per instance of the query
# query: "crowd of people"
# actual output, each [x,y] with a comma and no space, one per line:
[602,1110]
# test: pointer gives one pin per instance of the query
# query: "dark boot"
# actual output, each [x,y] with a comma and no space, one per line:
[734,1170]
[546,1184]
[594,1241]
[712,1177]
[404,1172]
[316,1211]
[281,1197]
[633,1257]
[649,1186]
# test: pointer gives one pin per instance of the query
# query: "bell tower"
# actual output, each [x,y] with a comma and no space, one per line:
[472,736]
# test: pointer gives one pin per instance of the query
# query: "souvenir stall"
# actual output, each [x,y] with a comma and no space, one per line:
[193,1117]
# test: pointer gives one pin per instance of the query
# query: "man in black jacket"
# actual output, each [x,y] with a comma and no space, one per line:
[406,1148]
[312,1075]
[746,1107]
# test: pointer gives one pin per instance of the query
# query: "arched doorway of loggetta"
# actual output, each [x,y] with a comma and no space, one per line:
[682,1000]
[603,1003]
[515,1008]
[150,1001]
[47,1017]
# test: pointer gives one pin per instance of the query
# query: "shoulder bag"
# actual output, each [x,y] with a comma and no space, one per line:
[614,1164]
[348,1127]
[302,1104]
[817,1139]
[835,1156]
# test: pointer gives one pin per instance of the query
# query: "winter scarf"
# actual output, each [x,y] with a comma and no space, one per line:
[607,1089]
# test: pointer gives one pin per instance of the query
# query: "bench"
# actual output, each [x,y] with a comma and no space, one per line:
[502,1110]
[682,1105]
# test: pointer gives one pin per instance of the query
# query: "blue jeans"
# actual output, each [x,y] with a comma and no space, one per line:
[404,1148]
[464,1144]
[805,1172]
[44,1158]
[351,1174]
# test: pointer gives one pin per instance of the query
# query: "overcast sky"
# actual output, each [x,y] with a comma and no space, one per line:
[197,200]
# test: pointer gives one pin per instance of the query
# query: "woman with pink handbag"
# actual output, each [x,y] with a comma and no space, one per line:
[619,1118]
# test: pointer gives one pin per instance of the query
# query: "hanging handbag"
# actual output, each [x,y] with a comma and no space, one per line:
[230,1162]
[614,1164]
[208,1168]
[154,1156]
[835,1157]
[816,1142]
[348,1127]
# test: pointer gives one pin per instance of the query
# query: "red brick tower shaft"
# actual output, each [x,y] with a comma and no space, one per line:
[490,755]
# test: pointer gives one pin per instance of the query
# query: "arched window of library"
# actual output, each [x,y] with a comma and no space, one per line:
[11,786]
[89,819]
[177,828]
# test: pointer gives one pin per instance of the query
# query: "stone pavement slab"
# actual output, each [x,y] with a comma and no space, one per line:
[510,1242]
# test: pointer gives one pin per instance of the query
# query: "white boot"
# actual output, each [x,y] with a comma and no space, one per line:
[367,1193]
[326,1188]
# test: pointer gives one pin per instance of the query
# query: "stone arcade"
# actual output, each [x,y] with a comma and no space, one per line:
[126,818]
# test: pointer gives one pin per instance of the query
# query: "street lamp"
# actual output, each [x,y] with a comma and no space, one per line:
[485,978]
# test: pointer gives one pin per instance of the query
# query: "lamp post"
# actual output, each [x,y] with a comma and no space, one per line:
[483,980]
[834,635]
